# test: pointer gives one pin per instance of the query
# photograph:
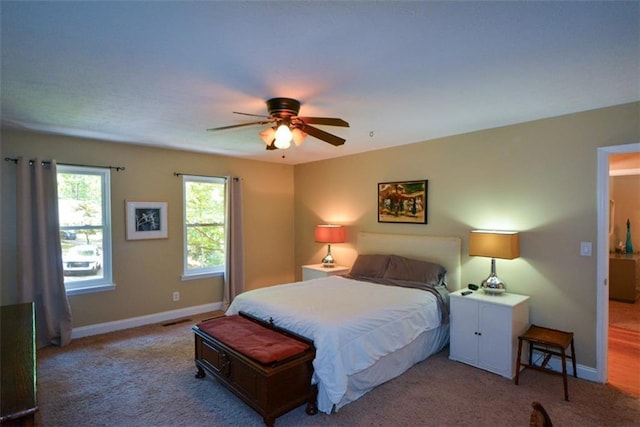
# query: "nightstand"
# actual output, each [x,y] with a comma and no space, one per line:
[485,329]
[315,271]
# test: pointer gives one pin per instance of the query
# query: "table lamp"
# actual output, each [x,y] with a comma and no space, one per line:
[494,244]
[329,233]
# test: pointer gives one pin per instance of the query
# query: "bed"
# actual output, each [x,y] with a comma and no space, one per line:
[367,329]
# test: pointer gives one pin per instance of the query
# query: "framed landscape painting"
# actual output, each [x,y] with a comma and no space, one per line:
[146,220]
[403,202]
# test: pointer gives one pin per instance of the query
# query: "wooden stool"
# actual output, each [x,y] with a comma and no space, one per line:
[550,342]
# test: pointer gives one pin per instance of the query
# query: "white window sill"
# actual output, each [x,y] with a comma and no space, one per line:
[196,276]
[91,289]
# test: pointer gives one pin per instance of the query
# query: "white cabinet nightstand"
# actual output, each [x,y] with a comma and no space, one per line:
[485,329]
[315,271]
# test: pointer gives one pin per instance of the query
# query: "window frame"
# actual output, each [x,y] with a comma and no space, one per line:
[105,282]
[196,273]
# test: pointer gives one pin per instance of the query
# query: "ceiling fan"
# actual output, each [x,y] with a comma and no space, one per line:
[286,126]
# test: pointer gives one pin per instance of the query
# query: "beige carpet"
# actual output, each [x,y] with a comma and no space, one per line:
[145,377]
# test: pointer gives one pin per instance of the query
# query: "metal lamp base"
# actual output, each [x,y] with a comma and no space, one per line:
[328,261]
[492,285]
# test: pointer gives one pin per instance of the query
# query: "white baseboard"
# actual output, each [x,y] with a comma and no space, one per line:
[584,372]
[101,328]
[555,364]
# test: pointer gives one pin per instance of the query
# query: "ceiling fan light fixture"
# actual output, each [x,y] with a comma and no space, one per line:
[298,136]
[285,126]
[268,135]
[283,137]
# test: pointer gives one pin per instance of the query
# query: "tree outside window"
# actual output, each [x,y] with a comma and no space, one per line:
[204,227]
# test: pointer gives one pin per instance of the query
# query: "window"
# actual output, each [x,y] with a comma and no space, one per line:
[85,228]
[204,225]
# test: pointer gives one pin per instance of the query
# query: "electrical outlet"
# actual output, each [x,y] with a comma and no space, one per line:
[176,296]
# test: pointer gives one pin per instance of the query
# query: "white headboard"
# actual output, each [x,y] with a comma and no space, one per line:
[443,250]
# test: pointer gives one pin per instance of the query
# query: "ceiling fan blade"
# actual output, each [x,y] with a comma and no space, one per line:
[329,121]
[263,122]
[325,136]
[252,115]
[272,147]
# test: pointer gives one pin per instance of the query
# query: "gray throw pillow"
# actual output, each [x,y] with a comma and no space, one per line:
[401,268]
[370,266]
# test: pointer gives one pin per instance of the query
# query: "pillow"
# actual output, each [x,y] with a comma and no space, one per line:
[401,268]
[370,266]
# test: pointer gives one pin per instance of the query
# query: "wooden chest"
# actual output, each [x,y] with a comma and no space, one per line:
[271,389]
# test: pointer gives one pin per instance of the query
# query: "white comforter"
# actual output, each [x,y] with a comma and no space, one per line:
[352,323]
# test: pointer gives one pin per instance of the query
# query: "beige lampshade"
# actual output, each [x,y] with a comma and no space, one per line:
[330,233]
[494,244]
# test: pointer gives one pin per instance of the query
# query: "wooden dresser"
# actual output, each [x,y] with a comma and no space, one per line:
[17,365]
[624,277]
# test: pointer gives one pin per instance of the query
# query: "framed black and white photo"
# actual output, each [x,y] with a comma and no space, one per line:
[146,220]
[403,202]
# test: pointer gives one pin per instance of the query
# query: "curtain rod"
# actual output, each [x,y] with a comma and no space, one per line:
[116,168]
[203,176]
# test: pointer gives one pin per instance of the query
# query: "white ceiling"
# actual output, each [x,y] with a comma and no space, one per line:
[160,73]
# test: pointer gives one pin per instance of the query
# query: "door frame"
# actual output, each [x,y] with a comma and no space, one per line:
[602,268]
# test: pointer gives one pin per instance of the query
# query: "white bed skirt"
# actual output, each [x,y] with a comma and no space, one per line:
[392,365]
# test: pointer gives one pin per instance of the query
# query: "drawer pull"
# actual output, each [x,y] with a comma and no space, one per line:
[225,369]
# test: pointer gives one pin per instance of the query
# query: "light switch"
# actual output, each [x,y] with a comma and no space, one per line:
[585,248]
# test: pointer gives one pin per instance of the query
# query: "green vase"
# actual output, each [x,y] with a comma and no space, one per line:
[629,246]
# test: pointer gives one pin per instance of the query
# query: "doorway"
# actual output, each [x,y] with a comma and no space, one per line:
[611,360]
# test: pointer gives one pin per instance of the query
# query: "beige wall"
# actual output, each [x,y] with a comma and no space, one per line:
[538,178]
[146,272]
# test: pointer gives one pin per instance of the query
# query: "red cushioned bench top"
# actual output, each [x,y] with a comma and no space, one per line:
[251,339]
